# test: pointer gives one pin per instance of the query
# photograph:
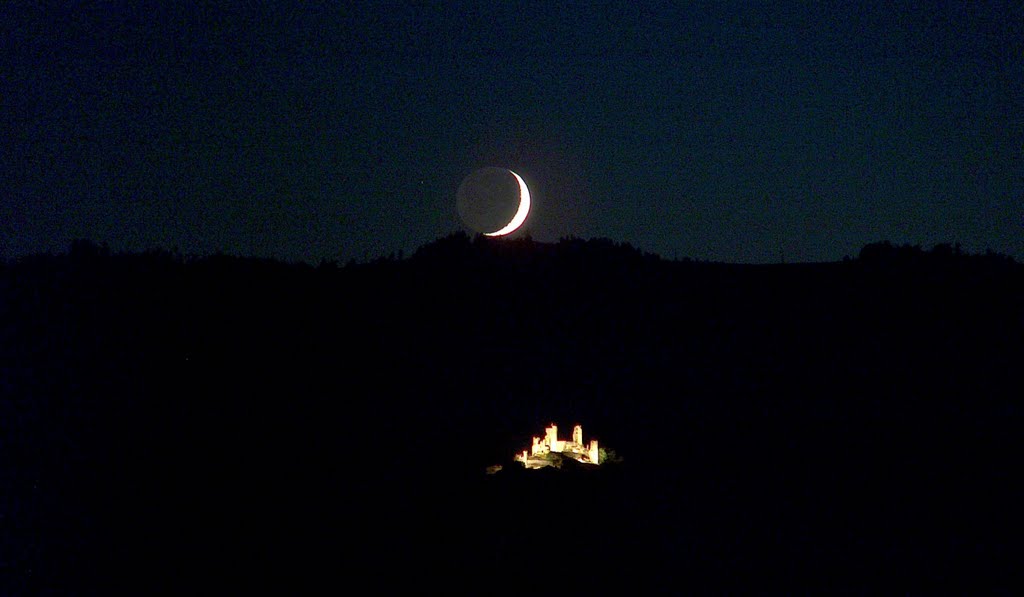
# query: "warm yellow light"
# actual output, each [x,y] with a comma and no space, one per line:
[541,451]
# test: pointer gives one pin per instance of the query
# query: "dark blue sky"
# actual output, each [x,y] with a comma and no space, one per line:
[711,131]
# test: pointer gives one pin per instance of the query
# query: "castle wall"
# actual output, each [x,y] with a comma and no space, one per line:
[551,443]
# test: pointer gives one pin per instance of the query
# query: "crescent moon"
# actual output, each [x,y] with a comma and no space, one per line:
[521,213]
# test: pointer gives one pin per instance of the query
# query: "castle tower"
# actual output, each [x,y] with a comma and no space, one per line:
[594,454]
[577,435]
[551,437]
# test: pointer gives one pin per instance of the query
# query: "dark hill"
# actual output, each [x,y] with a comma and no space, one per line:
[801,426]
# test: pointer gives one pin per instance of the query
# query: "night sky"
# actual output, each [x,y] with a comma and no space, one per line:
[737,132]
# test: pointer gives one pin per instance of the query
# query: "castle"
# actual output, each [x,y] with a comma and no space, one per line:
[575,449]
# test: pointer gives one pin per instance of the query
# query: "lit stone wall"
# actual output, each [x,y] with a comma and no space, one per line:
[551,443]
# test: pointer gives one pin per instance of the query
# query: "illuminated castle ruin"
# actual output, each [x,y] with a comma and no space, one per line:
[574,448]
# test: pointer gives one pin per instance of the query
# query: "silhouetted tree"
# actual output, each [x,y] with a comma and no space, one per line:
[83,249]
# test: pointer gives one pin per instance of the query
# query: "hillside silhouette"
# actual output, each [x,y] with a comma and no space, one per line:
[236,420]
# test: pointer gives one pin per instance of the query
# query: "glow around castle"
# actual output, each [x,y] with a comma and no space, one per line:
[535,457]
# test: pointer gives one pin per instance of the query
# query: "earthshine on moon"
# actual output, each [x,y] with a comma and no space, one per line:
[493,201]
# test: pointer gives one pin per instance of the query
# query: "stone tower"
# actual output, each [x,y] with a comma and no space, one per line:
[551,437]
[577,435]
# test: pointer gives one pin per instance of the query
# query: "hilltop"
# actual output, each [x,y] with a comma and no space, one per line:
[163,408]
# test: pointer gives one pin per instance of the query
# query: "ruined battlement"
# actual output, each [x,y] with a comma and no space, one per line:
[574,448]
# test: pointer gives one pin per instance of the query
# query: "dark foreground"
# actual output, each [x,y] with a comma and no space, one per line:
[237,424]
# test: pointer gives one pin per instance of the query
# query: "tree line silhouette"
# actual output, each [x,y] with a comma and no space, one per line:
[221,414]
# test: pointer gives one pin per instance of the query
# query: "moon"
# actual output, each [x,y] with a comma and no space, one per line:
[521,213]
[493,201]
